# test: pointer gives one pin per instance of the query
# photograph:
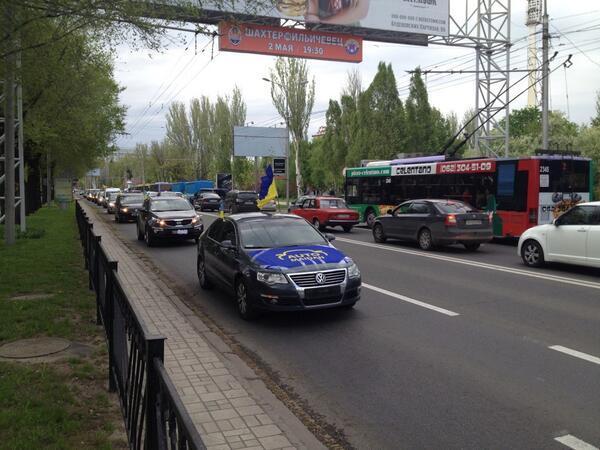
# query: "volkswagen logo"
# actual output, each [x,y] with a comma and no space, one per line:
[320,278]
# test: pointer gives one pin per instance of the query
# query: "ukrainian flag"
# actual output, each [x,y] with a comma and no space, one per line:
[268,190]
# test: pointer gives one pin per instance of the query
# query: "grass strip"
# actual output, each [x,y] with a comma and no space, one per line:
[62,404]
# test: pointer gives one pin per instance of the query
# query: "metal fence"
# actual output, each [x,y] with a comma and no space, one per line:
[154,416]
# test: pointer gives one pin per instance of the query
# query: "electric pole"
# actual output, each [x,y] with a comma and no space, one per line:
[545,76]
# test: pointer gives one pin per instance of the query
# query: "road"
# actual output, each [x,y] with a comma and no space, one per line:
[446,349]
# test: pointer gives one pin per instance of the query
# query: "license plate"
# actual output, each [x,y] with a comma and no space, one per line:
[181,231]
[474,222]
[344,216]
[249,203]
[319,293]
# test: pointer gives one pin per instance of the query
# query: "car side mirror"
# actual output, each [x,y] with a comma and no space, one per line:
[228,245]
[389,212]
[556,222]
[330,237]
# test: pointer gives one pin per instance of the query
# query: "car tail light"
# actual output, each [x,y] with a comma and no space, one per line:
[491,216]
[450,220]
[532,215]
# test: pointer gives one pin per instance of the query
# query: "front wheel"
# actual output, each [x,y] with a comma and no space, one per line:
[347,228]
[148,237]
[245,309]
[370,219]
[425,240]
[317,224]
[201,271]
[378,233]
[532,254]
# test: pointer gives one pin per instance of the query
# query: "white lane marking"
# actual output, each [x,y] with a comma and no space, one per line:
[575,353]
[527,273]
[410,300]
[576,444]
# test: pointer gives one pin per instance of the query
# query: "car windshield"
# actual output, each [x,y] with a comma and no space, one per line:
[278,233]
[171,204]
[332,203]
[128,200]
[455,207]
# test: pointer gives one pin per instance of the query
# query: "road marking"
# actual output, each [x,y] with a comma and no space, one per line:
[482,265]
[410,300]
[575,353]
[572,442]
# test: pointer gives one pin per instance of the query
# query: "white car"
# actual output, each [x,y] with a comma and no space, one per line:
[572,238]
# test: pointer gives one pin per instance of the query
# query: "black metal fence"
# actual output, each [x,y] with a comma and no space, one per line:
[154,415]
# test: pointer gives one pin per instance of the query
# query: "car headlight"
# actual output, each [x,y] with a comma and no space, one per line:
[353,271]
[195,220]
[162,223]
[271,278]
[111,204]
[124,210]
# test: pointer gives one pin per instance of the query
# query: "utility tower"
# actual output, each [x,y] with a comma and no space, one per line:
[534,22]
[12,198]
[485,27]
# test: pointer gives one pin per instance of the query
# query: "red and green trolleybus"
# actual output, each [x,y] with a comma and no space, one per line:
[519,192]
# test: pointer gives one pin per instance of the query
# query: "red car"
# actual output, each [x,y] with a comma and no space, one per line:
[327,212]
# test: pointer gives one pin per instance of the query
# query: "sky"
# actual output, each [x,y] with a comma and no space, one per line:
[182,71]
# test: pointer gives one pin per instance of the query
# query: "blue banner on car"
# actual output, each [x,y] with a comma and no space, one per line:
[297,256]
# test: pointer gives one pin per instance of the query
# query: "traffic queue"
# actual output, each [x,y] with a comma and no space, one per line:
[268,261]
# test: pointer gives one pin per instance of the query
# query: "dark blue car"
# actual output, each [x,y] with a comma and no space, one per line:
[276,262]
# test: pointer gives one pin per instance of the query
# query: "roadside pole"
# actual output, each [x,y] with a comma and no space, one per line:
[545,76]
[9,131]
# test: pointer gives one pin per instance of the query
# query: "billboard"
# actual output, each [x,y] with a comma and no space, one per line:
[260,141]
[291,42]
[424,17]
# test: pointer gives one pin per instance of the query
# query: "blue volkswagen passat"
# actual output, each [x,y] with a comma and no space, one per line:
[276,262]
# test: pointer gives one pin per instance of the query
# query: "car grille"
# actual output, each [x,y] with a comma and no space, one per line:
[310,279]
[174,223]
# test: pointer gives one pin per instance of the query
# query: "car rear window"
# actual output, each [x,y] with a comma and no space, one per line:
[248,195]
[455,207]
[333,203]
[278,233]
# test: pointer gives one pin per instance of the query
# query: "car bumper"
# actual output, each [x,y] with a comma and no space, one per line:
[471,236]
[128,215]
[289,298]
[342,222]
[176,232]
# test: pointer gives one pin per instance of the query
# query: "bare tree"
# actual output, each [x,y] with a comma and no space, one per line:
[294,97]
[353,86]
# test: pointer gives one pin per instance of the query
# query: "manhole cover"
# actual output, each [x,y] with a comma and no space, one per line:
[32,348]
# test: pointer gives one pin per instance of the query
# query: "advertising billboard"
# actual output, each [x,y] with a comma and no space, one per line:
[426,17]
[291,42]
[260,141]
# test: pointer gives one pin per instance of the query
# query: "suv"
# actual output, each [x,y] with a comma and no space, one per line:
[167,218]
[241,201]
[127,206]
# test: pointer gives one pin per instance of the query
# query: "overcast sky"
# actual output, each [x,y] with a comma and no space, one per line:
[153,80]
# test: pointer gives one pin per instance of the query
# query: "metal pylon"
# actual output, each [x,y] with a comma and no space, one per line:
[485,27]
[19,160]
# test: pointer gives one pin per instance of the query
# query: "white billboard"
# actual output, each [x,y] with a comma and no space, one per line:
[428,17]
[260,141]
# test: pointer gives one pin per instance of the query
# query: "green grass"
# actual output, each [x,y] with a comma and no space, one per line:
[62,405]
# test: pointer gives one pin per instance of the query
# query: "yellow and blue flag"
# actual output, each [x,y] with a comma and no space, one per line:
[268,189]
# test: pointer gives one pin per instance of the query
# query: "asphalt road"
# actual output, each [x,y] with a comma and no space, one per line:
[446,349]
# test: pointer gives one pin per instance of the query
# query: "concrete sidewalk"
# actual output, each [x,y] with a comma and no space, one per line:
[230,408]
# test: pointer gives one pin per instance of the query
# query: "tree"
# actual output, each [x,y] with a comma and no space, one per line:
[294,97]
[596,120]
[353,87]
